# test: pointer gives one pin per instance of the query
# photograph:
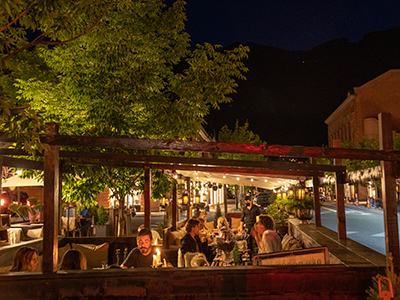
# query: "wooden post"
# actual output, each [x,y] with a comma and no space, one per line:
[225,199]
[317,205]
[51,203]
[1,174]
[189,211]
[389,191]
[174,206]
[339,186]
[147,197]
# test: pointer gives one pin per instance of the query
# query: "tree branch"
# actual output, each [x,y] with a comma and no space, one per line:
[15,20]
[83,33]
[34,42]
[39,39]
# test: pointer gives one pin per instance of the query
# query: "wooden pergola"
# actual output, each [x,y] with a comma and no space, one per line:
[52,170]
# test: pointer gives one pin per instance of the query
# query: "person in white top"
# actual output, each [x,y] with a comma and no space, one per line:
[267,238]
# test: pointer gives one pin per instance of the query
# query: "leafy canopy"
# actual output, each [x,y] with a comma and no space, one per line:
[131,75]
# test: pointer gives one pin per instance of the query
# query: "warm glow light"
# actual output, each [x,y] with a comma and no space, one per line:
[237,178]
[251,179]
[224,176]
[2,202]
[185,199]
[291,193]
[265,180]
[28,203]
[301,193]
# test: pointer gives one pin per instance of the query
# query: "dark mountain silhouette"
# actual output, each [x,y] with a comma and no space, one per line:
[289,94]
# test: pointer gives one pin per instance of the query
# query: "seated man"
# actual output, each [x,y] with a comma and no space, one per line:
[155,234]
[191,241]
[142,255]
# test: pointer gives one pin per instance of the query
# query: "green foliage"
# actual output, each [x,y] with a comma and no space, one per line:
[100,216]
[54,22]
[307,202]
[132,75]
[373,292]
[279,215]
[241,134]
[292,203]
[161,226]
[352,164]
[218,212]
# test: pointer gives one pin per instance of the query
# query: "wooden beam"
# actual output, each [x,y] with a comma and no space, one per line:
[201,161]
[50,207]
[22,163]
[389,191]
[147,197]
[228,170]
[194,146]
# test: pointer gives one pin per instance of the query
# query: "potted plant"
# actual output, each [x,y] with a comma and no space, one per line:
[280,217]
[21,210]
[304,208]
[34,209]
[100,221]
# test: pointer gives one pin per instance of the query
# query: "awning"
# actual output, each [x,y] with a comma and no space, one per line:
[16,181]
[265,182]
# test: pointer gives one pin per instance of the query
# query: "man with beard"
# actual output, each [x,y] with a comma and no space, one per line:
[249,218]
[142,255]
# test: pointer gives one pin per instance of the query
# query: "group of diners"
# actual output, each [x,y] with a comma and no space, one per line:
[261,230]
[26,259]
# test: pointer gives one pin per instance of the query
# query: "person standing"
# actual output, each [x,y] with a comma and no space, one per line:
[249,217]
[142,255]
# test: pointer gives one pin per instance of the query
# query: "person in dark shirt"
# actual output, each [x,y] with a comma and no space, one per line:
[249,218]
[142,255]
[191,241]
[249,215]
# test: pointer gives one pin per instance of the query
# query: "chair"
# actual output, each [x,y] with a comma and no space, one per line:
[70,224]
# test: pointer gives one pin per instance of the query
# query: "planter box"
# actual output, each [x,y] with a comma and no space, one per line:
[101,230]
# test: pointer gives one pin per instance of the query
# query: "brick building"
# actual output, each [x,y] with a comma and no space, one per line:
[357,117]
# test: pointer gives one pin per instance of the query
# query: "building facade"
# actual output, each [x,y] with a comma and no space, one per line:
[357,117]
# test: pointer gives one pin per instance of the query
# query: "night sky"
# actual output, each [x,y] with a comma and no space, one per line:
[294,26]
[287,24]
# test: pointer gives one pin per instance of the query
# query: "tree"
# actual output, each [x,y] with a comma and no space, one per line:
[47,22]
[130,76]
[240,134]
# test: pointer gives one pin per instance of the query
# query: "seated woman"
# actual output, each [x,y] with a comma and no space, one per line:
[25,259]
[270,240]
[73,260]
[222,222]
